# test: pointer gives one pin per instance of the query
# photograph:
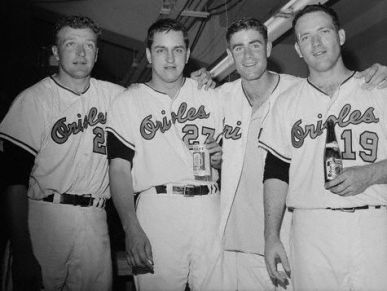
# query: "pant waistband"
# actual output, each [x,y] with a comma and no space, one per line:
[84,200]
[187,190]
[353,209]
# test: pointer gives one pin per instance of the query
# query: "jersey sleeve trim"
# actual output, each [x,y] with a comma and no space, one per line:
[274,152]
[19,143]
[121,138]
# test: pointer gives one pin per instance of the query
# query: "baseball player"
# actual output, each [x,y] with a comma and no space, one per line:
[339,235]
[55,151]
[247,101]
[152,132]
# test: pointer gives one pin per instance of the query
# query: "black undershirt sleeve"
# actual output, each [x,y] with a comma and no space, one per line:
[116,149]
[16,165]
[276,168]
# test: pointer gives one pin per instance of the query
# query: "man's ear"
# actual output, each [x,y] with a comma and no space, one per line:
[96,55]
[188,54]
[54,50]
[148,55]
[269,46]
[298,50]
[341,33]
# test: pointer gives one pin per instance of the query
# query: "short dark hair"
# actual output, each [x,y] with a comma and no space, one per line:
[315,8]
[76,22]
[165,25]
[244,24]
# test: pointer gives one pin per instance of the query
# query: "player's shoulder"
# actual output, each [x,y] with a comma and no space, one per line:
[132,94]
[291,89]
[39,92]
[190,87]
[289,79]
[230,86]
[107,86]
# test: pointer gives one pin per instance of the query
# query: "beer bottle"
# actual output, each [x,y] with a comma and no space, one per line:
[333,165]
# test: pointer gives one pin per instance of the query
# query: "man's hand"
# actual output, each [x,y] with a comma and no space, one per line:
[215,151]
[353,181]
[203,77]
[374,77]
[26,272]
[138,251]
[274,254]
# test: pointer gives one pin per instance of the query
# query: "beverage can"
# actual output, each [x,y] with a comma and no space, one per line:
[201,161]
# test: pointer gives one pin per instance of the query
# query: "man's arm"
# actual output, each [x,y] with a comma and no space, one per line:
[17,164]
[138,248]
[354,180]
[274,206]
[374,77]
[215,151]
[203,77]
[276,179]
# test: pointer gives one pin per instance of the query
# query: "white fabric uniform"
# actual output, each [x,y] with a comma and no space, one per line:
[65,132]
[160,129]
[242,220]
[332,250]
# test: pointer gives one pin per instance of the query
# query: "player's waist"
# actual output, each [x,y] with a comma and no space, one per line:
[82,200]
[187,190]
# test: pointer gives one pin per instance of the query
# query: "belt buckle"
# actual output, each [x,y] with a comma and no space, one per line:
[350,210]
[189,188]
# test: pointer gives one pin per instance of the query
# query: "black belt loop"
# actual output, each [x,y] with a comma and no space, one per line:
[353,209]
[187,190]
[76,200]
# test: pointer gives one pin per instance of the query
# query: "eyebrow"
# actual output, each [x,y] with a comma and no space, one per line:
[329,26]
[162,46]
[251,42]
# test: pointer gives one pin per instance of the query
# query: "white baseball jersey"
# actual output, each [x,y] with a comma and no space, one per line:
[160,131]
[65,132]
[242,219]
[294,132]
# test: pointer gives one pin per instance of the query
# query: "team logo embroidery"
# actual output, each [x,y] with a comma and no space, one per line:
[230,132]
[61,130]
[149,128]
[299,133]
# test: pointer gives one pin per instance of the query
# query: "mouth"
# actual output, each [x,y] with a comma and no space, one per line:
[170,67]
[249,65]
[318,53]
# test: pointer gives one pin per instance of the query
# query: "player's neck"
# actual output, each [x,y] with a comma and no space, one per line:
[329,81]
[259,90]
[170,88]
[76,85]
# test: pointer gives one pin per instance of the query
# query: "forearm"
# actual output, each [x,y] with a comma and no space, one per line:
[121,187]
[17,218]
[378,172]
[275,192]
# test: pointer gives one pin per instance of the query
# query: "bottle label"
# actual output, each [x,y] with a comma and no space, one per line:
[201,161]
[333,168]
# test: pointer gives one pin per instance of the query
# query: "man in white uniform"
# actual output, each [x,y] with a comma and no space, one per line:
[247,101]
[339,234]
[152,130]
[54,153]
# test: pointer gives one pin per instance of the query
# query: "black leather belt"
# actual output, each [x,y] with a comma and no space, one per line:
[76,200]
[353,209]
[188,190]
